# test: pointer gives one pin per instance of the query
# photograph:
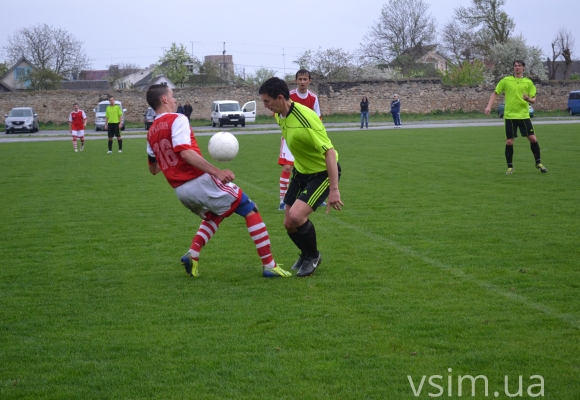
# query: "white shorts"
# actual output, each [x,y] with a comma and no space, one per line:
[207,193]
[78,133]
[286,157]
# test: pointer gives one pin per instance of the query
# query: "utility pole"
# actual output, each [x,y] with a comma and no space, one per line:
[284,62]
[224,61]
[192,42]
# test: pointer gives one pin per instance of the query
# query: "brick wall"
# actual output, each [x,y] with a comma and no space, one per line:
[417,96]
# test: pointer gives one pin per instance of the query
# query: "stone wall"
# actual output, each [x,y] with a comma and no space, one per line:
[417,96]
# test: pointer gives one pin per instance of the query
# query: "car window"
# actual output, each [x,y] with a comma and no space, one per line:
[230,107]
[20,113]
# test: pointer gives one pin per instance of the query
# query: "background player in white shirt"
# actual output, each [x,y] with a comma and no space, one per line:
[305,97]
[200,186]
[77,121]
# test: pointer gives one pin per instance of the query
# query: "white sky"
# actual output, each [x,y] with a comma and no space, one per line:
[258,33]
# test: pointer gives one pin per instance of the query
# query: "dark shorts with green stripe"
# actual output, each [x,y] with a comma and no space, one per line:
[312,189]
[524,125]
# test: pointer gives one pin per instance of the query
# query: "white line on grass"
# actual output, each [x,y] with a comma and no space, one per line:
[456,272]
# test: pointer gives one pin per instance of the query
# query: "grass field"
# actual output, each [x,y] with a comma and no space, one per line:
[440,266]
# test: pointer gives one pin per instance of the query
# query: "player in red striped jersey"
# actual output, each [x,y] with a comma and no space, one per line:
[200,186]
[77,121]
[305,97]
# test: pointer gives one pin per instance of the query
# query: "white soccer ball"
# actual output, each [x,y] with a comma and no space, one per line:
[223,146]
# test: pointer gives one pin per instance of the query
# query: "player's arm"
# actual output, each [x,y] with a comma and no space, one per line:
[70,122]
[84,120]
[153,166]
[531,100]
[332,168]
[492,99]
[197,161]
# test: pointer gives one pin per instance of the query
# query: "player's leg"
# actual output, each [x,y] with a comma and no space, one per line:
[305,194]
[110,135]
[74,139]
[119,138]
[259,234]
[528,131]
[510,134]
[207,229]
[81,135]
[286,160]
[284,181]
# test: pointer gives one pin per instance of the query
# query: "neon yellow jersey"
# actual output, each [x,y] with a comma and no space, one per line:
[306,138]
[515,88]
[113,114]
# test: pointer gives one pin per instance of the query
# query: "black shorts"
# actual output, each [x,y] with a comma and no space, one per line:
[312,189]
[113,130]
[511,128]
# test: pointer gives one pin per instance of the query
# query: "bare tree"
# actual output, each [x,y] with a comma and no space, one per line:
[494,24]
[47,48]
[563,46]
[459,42]
[402,26]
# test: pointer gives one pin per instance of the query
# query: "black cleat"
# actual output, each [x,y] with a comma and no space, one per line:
[309,265]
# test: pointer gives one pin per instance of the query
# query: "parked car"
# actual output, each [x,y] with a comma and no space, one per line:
[228,112]
[21,119]
[100,115]
[501,108]
[149,117]
[574,102]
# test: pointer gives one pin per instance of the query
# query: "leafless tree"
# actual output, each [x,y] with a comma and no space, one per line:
[562,47]
[494,24]
[458,42]
[401,26]
[119,71]
[47,48]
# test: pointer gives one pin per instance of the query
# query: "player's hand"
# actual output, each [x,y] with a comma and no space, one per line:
[334,201]
[225,175]
[487,110]
[526,97]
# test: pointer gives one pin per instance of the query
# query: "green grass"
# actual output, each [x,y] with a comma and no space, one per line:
[439,260]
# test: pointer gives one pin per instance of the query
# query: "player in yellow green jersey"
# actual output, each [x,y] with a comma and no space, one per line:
[113,118]
[519,93]
[315,174]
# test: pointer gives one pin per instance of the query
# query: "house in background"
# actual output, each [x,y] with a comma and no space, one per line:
[13,78]
[149,80]
[425,58]
[129,81]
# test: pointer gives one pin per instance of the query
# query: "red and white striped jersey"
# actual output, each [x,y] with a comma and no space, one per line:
[76,118]
[169,135]
[309,100]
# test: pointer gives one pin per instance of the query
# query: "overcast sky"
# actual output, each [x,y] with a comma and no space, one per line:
[258,33]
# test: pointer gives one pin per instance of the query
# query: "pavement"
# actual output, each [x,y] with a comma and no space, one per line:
[262,129]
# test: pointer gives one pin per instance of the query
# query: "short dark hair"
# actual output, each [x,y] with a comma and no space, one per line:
[75,104]
[519,62]
[154,94]
[274,87]
[303,72]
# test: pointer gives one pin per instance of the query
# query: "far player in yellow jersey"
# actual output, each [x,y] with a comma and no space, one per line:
[519,93]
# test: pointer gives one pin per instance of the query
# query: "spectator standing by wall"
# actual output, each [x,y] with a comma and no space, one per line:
[180,109]
[364,112]
[188,110]
[396,110]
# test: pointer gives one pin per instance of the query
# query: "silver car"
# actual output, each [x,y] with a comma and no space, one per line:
[21,119]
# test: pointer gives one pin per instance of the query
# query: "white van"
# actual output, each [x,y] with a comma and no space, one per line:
[228,112]
[100,115]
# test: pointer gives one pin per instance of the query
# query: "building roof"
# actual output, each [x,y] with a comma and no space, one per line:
[5,88]
[95,75]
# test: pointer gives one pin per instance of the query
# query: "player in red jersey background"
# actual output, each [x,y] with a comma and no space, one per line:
[77,122]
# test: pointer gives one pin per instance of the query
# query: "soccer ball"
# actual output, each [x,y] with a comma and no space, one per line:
[223,146]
